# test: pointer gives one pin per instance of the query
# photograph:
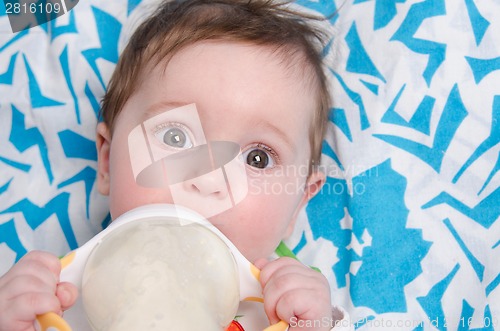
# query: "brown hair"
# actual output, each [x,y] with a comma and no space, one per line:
[176,24]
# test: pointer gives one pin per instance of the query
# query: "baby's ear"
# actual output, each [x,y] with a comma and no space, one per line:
[103,143]
[313,186]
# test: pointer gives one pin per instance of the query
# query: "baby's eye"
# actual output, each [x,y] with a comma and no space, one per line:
[260,157]
[174,136]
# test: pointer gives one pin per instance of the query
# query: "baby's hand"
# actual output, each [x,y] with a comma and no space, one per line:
[32,288]
[295,294]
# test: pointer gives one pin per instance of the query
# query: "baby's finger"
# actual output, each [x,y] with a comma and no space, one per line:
[51,262]
[28,305]
[43,265]
[35,273]
[279,285]
[260,263]
[24,284]
[270,268]
[299,305]
[67,294]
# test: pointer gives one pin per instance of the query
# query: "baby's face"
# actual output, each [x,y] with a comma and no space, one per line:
[240,94]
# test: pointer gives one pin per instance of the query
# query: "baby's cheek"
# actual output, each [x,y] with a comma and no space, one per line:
[129,196]
[268,229]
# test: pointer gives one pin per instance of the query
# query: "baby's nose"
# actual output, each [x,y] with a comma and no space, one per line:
[212,184]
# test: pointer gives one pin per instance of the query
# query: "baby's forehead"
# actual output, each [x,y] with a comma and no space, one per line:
[293,65]
[290,57]
[269,74]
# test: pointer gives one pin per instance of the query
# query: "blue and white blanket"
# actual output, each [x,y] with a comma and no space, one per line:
[407,226]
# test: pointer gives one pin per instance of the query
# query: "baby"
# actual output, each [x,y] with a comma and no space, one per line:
[253,73]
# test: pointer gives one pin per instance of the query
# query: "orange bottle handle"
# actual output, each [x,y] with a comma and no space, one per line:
[52,320]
